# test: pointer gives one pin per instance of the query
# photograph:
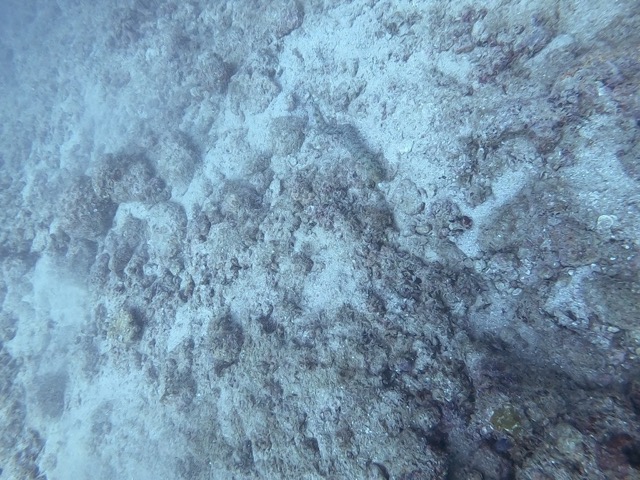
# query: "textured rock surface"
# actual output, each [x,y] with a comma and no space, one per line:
[383,240]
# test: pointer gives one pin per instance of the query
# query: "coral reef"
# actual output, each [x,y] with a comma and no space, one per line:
[414,255]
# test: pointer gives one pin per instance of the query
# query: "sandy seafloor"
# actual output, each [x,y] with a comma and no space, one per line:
[323,239]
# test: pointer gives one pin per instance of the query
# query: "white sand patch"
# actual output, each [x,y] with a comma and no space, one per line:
[503,189]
